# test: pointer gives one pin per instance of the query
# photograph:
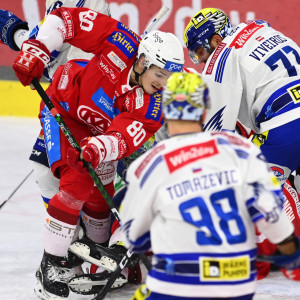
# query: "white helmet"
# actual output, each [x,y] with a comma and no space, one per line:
[163,50]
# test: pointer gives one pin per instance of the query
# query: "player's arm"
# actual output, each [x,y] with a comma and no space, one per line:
[136,210]
[13,30]
[127,132]
[265,208]
[81,27]
[224,82]
[266,199]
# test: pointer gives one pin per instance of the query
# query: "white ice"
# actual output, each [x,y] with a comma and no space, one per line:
[21,219]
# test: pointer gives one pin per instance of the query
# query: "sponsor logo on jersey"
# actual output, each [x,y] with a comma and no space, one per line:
[294,91]
[129,31]
[68,23]
[154,109]
[139,100]
[292,200]
[108,69]
[64,78]
[289,211]
[124,43]
[225,269]
[244,35]
[147,159]
[186,155]
[103,102]
[115,59]
[94,119]
[280,173]
[277,171]
[214,58]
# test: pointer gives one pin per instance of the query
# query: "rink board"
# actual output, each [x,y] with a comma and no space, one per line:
[19,101]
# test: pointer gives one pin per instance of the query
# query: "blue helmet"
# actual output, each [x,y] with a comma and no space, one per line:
[203,25]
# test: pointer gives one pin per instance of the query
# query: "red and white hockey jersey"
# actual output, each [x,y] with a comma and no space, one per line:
[97,95]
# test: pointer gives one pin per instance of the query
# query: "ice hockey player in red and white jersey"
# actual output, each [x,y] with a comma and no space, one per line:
[111,104]
[14,32]
[199,217]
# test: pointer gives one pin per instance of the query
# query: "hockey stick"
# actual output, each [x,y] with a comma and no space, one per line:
[163,10]
[54,112]
[13,192]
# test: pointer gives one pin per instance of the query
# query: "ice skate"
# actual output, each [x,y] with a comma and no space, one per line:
[108,258]
[89,284]
[53,276]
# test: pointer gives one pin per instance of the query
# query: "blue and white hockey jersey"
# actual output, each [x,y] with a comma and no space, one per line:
[253,76]
[194,199]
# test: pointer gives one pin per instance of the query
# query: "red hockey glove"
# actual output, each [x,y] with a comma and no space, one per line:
[31,61]
[100,148]
[94,150]
[74,161]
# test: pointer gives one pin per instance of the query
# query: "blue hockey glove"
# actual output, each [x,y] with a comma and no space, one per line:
[9,24]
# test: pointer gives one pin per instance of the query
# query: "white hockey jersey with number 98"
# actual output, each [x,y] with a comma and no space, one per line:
[195,198]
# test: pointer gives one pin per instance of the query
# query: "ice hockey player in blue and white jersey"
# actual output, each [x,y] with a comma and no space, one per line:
[194,199]
[253,74]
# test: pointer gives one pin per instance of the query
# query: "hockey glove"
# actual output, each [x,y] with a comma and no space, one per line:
[100,148]
[74,160]
[94,150]
[32,60]
[9,24]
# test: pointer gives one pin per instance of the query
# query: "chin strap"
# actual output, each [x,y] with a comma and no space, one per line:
[138,75]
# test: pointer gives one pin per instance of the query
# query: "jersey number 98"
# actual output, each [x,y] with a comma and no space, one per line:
[225,207]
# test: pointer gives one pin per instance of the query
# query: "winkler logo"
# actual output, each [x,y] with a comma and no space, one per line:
[186,155]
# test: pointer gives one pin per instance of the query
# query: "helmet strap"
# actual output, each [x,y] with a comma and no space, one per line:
[136,74]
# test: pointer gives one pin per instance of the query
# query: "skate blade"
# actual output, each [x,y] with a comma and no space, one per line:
[83,251]
[86,286]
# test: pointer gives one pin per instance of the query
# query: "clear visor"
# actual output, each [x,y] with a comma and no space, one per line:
[194,57]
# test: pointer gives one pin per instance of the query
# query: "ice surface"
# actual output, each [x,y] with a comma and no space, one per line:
[21,218]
